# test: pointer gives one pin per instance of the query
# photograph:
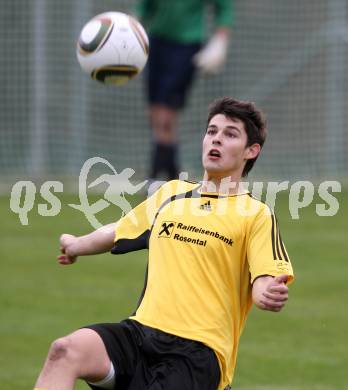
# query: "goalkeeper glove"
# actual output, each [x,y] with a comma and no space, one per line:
[211,58]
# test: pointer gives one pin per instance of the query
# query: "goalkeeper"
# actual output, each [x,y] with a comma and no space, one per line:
[176,31]
[210,258]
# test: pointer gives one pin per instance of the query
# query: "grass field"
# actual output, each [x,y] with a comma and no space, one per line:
[303,348]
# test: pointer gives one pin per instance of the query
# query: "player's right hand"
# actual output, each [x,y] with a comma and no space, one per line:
[67,249]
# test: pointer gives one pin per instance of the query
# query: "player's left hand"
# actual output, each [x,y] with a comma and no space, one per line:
[212,57]
[275,294]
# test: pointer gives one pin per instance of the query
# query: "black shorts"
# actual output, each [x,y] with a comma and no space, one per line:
[146,358]
[170,71]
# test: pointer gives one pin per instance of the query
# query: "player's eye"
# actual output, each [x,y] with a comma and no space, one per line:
[211,131]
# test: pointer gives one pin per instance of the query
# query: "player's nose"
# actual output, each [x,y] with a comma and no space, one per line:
[216,139]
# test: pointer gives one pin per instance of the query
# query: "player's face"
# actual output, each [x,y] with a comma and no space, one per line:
[225,150]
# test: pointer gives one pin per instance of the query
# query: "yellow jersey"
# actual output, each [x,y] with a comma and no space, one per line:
[205,251]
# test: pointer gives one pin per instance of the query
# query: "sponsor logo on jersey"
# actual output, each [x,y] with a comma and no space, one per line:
[166,229]
[190,240]
[211,233]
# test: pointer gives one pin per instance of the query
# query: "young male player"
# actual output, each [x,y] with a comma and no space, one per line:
[213,250]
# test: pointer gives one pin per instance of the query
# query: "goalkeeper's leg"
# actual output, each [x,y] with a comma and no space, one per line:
[164,156]
[81,354]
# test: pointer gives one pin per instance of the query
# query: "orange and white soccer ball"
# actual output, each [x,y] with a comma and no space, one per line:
[113,48]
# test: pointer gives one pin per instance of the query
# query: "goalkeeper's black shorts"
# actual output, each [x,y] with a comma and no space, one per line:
[146,358]
[170,71]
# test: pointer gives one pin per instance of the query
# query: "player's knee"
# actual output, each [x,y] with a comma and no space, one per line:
[59,349]
[163,121]
[166,124]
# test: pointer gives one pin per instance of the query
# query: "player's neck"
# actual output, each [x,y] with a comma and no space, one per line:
[227,185]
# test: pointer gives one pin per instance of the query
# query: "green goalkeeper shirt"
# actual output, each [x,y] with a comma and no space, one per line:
[182,21]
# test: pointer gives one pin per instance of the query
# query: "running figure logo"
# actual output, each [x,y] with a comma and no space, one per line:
[118,184]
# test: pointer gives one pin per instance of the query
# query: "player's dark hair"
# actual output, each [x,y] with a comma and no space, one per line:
[252,117]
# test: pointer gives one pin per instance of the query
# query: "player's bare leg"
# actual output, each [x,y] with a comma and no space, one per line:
[163,121]
[81,354]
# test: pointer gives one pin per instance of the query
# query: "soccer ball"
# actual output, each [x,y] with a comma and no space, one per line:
[113,48]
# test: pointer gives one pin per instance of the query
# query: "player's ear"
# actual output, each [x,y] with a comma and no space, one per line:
[252,151]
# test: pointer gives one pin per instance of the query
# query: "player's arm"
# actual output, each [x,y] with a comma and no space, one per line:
[99,241]
[269,263]
[270,293]
[130,231]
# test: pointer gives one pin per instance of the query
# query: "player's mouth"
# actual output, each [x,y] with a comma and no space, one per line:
[214,154]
